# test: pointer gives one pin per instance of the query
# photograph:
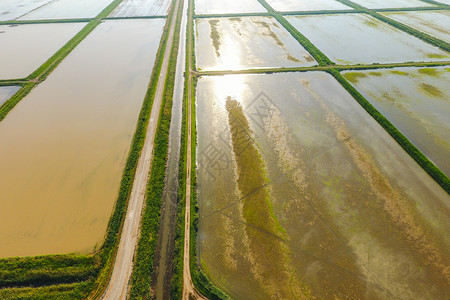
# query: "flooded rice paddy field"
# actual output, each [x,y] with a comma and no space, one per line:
[7,92]
[246,43]
[360,39]
[303,195]
[65,145]
[306,5]
[417,102]
[12,9]
[26,47]
[227,7]
[141,8]
[435,23]
[67,9]
[374,4]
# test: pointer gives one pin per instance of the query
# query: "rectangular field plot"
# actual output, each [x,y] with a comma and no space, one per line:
[417,102]
[245,43]
[68,9]
[203,7]
[360,39]
[6,92]
[306,5]
[435,23]
[65,145]
[373,4]
[26,47]
[300,192]
[141,8]
[12,9]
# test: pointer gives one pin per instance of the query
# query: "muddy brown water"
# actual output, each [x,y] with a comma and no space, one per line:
[26,47]
[357,217]
[64,146]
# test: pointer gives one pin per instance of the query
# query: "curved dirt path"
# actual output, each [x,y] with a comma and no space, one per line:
[123,265]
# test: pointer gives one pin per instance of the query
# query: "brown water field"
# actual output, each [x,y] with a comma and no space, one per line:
[64,146]
[26,47]
[303,195]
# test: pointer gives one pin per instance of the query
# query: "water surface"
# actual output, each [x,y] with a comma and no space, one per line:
[12,9]
[435,23]
[227,7]
[417,102]
[305,5]
[245,43]
[7,92]
[68,9]
[65,145]
[390,3]
[26,47]
[350,214]
[360,39]
[141,8]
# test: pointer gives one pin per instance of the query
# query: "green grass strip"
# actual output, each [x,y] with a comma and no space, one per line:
[46,270]
[415,153]
[77,290]
[150,223]
[318,55]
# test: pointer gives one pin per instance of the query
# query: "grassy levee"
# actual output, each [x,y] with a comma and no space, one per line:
[436,3]
[321,58]
[415,153]
[176,285]
[150,223]
[414,32]
[401,9]
[45,69]
[50,21]
[109,248]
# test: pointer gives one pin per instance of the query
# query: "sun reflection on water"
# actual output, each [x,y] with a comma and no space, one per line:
[233,86]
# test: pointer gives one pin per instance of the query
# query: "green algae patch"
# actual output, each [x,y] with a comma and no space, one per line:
[378,74]
[431,89]
[263,229]
[398,72]
[354,76]
[430,72]
[215,35]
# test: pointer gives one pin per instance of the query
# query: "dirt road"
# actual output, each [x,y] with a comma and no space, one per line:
[118,285]
[189,291]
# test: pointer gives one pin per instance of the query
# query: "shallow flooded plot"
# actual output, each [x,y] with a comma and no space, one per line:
[12,9]
[65,145]
[305,5]
[141,8]
[6,92]
[26,47]
[227,7]
[435,23]
[245,43]
[417,102]
[359,38]
[390,3]
[68,9]
[301,192]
